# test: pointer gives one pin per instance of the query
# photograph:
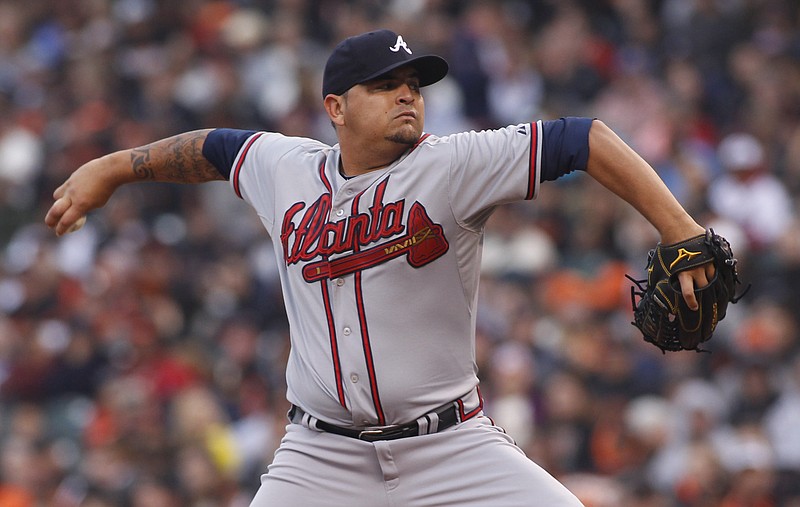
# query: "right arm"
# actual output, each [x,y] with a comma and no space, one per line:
[177,159]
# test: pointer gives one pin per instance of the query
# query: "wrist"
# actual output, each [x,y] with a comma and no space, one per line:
[117,169]
[677,232]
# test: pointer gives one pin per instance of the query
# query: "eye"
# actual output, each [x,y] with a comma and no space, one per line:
[382,85]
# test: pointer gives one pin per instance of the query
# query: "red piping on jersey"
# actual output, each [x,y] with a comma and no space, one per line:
[472,413]
[337,365]
[326,299]
[373,380]
[239,164]
[324,177]
[419,141]
[532,162]
[365,343]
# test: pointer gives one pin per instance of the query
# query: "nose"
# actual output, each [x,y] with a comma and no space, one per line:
[405,95]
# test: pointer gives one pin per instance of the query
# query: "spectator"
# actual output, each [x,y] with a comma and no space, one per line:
[749,194]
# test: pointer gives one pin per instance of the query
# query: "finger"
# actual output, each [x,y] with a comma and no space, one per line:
[56,211]
[59,192]
[68,221]
[687,289]
[62,216]
[711,271]
[700,276]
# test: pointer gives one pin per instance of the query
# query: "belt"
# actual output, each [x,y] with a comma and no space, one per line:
[433,422]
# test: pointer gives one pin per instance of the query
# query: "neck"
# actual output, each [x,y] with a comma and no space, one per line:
[360,160]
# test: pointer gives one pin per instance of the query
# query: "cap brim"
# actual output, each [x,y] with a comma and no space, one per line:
[430,69]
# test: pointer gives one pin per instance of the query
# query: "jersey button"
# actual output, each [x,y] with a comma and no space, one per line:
[340,281]
[353,378]
[339,212]
[346,331]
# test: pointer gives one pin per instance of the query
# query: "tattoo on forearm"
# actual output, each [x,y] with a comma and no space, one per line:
[140,162]
[177,159]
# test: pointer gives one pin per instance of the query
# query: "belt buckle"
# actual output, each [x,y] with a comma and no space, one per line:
[388,433]
[370,435]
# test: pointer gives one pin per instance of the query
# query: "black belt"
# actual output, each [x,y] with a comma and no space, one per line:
[447,417]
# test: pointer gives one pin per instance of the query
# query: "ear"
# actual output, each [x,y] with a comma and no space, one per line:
[334,106]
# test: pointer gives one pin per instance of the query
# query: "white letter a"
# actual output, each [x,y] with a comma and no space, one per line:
[400,44]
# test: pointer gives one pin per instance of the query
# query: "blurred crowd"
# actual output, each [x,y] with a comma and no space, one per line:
[142,357]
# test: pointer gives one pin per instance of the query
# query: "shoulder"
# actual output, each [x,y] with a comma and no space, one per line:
[224,145]
[267,148]
[276,139]
[510,132]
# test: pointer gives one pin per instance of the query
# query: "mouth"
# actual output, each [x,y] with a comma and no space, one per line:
[407,115]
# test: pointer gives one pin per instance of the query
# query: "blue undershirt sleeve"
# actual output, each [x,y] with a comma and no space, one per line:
[565,146]
[222,146]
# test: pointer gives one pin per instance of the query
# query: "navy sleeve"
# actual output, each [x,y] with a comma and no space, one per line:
[565,146]
[222,146]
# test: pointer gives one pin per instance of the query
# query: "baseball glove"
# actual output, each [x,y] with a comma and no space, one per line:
[661,313]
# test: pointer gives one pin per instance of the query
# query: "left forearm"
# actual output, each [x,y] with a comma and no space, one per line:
[620,169]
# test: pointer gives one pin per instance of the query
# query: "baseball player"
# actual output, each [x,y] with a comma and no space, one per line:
[379,241]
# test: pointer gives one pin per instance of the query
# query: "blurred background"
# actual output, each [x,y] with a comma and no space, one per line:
[142,358]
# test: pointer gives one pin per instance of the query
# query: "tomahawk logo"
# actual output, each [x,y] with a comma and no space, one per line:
[367,239]
[400,44]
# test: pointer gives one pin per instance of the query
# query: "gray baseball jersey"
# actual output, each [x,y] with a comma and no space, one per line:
[380,272]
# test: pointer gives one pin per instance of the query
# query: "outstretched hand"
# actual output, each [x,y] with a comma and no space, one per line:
[88,188]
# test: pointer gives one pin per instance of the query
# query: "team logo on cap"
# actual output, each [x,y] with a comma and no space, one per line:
[400,44]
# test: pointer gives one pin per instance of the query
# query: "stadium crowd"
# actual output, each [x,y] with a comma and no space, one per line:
[142,357]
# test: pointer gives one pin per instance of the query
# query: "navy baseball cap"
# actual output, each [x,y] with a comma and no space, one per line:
[363,57]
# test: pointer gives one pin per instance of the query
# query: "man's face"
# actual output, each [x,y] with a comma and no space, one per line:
[388,108]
